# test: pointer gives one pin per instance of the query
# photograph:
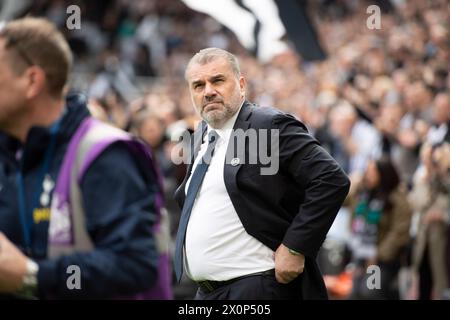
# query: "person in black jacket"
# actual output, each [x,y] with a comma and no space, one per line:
[117,193]
[259,196]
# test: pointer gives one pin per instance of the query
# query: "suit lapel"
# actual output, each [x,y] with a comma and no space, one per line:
[230,170]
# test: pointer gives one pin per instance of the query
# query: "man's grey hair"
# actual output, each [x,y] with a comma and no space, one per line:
[207,55]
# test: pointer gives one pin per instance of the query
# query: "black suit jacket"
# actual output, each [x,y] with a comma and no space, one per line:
[297,205]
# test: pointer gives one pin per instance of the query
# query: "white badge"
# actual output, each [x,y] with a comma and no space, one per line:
[48,184]
[235,162]
[47,187]
[45,200]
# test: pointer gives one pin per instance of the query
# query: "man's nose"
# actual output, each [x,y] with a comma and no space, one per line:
[210,91]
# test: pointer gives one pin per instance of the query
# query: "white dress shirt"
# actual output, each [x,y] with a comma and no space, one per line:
[217,247]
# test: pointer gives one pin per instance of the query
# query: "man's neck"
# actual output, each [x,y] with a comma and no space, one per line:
[41,115]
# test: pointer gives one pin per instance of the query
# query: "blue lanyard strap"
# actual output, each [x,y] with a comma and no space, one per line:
[26,213]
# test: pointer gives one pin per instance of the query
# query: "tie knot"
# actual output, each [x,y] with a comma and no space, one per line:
[212,136]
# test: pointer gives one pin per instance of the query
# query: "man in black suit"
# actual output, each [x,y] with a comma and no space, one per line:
[251,228]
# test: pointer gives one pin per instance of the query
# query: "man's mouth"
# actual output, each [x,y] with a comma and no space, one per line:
[210,105]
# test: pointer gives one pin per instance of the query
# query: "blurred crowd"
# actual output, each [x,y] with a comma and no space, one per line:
[379,103]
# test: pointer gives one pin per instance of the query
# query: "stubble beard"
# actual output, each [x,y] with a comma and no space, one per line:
[217,118]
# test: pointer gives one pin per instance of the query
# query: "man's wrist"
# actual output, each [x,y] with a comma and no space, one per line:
[29,281]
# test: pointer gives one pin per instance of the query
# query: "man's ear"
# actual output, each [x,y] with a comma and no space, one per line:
[36,81]
[242,85]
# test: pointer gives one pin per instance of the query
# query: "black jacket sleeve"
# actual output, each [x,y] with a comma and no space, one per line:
[324,183]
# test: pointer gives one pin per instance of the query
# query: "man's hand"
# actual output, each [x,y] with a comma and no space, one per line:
[287,265]
[13,266]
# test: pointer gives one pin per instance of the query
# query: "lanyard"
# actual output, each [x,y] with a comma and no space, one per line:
[25,212]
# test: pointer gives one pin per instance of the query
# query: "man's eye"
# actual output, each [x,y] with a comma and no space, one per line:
[198,86]
[218,80]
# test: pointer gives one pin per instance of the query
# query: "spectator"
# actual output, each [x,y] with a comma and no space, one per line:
[380,227]
[430,197]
